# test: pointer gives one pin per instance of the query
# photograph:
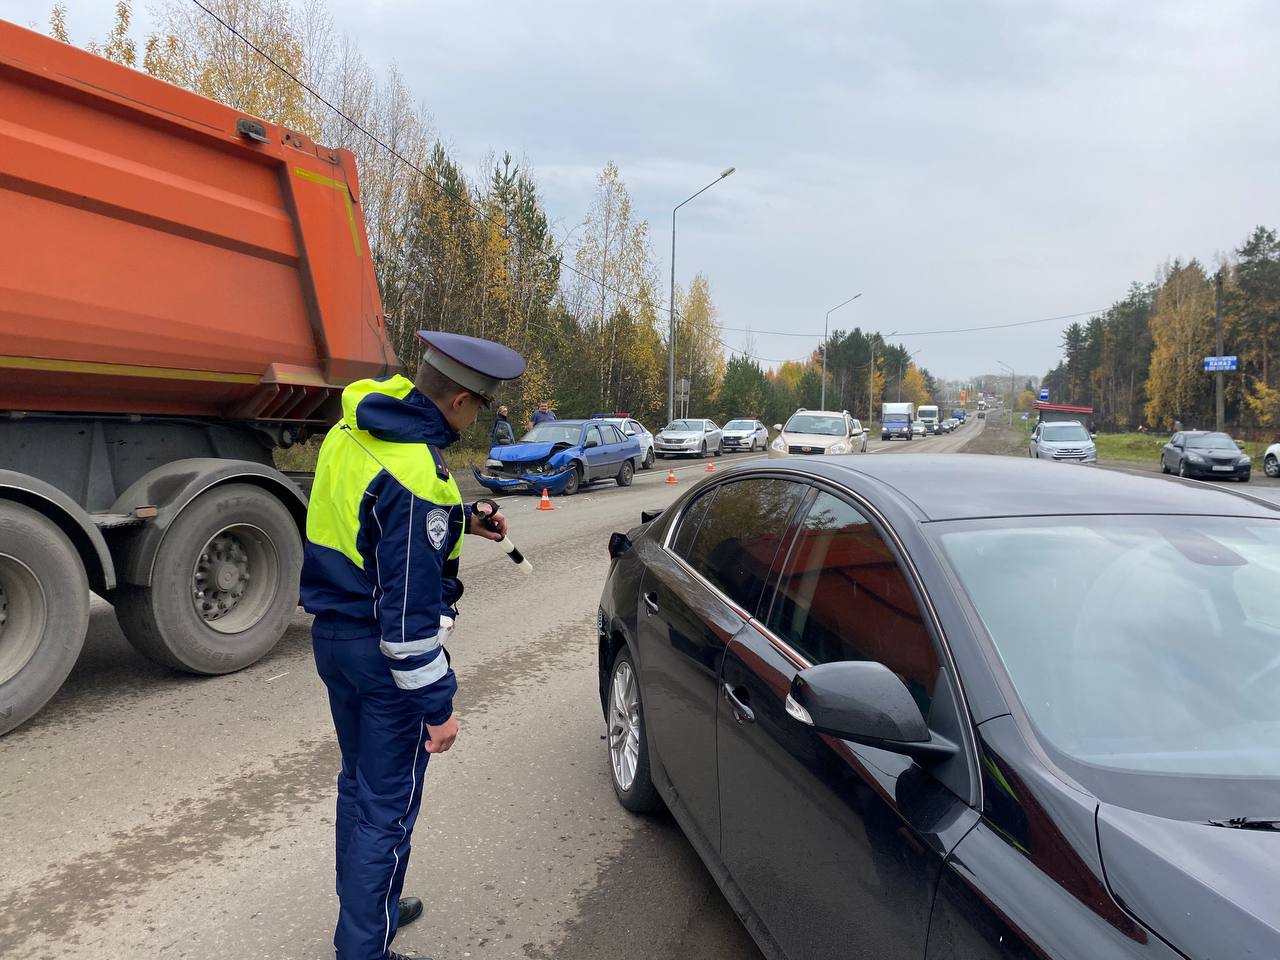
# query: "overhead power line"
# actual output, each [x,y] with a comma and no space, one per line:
[426,175]
[929,333]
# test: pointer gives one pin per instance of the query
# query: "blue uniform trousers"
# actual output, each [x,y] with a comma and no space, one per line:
[381,730]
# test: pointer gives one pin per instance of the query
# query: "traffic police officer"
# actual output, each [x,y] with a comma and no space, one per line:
[380,574]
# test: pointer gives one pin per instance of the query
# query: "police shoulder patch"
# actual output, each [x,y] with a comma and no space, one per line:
[437,527]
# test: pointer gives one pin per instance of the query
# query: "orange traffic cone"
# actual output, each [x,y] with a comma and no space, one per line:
[545,502]
[710,468]
[671,476]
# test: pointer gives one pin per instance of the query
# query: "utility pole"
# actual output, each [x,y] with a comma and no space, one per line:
[1217,377]
[825,323]
[871,384]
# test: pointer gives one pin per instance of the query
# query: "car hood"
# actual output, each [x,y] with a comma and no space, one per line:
[823,440]
[680,434]
[525,452]
[1210,891]
[738,433]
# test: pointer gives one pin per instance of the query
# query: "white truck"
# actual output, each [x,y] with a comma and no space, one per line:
[928,415]
[895,420]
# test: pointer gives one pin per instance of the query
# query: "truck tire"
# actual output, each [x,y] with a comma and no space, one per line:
[44,611]
[224,587]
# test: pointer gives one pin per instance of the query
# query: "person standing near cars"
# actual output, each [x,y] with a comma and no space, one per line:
[541,415]
[380,574]
[502,431]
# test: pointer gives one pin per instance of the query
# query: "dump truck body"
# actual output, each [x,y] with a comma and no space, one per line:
[183,288]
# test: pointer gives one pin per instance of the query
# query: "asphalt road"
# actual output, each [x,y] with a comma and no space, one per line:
[147,813]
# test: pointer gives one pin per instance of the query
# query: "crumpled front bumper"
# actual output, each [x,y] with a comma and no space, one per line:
[553,483]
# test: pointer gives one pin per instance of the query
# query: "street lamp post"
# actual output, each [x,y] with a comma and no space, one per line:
[871,384]
[823,403]
[671,329]
[902,365]
[1013,396]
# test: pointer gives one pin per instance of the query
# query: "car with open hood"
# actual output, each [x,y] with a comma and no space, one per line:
[824,668]
[560,456]
[818,433]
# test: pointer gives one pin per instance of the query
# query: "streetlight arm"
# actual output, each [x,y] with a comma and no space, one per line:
[823,402]
[723,174]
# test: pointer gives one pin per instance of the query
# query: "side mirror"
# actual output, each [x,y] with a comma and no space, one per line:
[1093,436]
[865,702]
[778,427]
[505,441]
[591,443]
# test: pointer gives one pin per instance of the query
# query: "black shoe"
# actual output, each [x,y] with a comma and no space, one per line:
[410,910]
[406,956]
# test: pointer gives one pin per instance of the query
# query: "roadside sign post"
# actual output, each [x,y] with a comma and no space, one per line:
[1044,394]
[1221,364]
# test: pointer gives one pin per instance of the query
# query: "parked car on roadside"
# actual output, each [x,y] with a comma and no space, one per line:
[1065,441]
[749,435]
[818,432]
[823,669]
[632,427]
[683,438]
[1271,460]
[559,456]
[1205,453]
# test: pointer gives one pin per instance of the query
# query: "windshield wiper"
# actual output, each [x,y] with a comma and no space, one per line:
[1248,823]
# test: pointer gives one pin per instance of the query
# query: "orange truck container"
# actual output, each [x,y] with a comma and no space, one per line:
[183,288]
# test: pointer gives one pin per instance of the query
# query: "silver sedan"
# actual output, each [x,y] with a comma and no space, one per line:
[683,438]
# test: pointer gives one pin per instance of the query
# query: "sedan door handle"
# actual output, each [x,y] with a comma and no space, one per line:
[741,712]
[651,601]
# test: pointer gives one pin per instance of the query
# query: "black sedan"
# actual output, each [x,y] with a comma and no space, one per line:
[1204,453]
[833,672]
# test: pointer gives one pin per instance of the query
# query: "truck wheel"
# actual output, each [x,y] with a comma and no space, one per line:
[44,611]
[225,584]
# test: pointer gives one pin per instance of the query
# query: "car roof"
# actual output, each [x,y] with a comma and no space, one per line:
[970,486]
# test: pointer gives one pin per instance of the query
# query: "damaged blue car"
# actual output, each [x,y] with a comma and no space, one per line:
[560,456]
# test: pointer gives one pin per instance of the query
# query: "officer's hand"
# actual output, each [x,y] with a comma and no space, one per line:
[480,530]
[440,739]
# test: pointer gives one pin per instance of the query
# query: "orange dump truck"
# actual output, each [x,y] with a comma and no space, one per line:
[183,289]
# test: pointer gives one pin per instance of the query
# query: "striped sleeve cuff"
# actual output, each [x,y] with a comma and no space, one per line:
[413,674]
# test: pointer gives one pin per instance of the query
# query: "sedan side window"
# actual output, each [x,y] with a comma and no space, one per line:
[593,434]
[842,596]
[737,541]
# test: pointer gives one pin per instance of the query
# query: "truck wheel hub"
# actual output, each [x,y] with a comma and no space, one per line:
[222,573]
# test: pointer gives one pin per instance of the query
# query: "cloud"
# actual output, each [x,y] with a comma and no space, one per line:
[960,164]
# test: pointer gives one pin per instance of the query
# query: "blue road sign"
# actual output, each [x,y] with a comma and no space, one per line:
[1044,394]
[1216,364]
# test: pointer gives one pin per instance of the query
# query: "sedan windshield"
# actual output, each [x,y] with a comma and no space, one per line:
[739,425]
[1156,645]
[1063,432]
[675,426]
[1212,441]
[808,423]
[553,433]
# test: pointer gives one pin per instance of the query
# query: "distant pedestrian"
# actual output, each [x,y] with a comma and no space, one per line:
[541,415]
[502,431]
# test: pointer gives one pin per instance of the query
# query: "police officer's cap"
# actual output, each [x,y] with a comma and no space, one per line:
[479,365]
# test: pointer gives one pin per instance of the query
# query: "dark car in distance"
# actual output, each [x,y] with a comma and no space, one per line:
[825,669]
[1205,453]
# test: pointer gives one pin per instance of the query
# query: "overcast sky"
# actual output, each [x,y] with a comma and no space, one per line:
[959,164]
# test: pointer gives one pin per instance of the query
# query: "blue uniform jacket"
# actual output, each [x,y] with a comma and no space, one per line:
[384,533]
